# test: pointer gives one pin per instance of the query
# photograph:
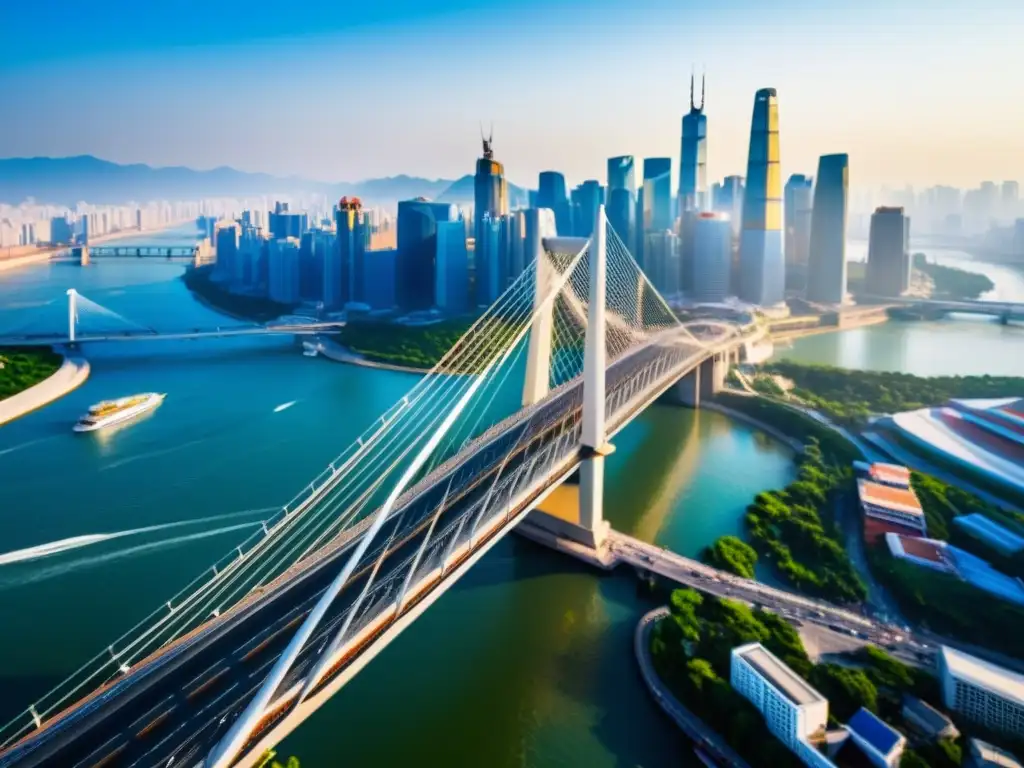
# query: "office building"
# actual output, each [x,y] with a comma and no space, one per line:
[727,198]
[328,252]
[417,251]
[657,194]
[311,270]
[799,201]
[661,261]
[621,199]
[826,269]
[451,288]
[889,509]
[882,744]
[926,720]
[794,712]
[283,271]
[552,194]
[488,257]
[490,200]
[888,268]
[353,236]
[513,236]
[693,156]
[762,269]
[539,224]
[284,224]
[588,196]
[380,278]
[60,230]
[981,691]
[981,754]
[226,248]
[712,265]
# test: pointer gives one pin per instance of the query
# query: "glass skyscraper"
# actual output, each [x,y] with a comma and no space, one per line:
[799,202]
[888,270]
[693,156]
[552,194]
[353,238]
[762,269]
[657,193]
[826,268]
[621,200]
[417,251]
[712,266]
[490,200]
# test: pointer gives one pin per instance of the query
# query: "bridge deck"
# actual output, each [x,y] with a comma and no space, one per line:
[181,702]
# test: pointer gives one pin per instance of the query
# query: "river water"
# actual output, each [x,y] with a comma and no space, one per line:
[526,662]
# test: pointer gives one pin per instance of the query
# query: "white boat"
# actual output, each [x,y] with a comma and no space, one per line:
[110,412]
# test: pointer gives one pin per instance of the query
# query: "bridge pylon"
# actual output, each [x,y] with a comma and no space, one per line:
[72,313]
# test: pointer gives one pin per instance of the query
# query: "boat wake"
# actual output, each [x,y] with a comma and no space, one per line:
[151,454]
[76,542]
[87,562]
[285,406]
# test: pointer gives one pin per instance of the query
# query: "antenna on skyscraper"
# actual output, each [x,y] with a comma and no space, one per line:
[703,78]
[692,75]
[487,141]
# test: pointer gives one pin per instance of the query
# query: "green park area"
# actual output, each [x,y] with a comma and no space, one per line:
[952,283]
[849,397]
[23,367]
[256,308]
[691,650]
[412,346]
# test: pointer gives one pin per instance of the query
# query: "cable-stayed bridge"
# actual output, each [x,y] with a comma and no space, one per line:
[240,657]
[86,321]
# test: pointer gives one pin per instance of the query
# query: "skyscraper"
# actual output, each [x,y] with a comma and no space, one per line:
[417,251]
[728,199]
[490,200]
[661,260]
[712,265]
[762,269]
[488,257]
[826,272]
[693,156]
[799,202]
[451,275]
[283,270]
[589,196]
[552,194]
[888,270]
[621,200]
[657,193]
[353,238]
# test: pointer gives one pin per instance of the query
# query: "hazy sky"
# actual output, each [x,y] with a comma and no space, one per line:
[916,91]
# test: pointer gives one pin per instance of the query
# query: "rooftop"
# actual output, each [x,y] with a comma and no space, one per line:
[990,530]
[989,755]
[923,549]
[898,499]
[928,714]
[791,685]
[998,680]
[874,731]
[892,474]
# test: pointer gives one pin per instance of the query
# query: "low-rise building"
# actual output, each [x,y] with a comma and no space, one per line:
[880,742]
[981,691]
[795,713]
[927,720]
[981,754]
[890,509]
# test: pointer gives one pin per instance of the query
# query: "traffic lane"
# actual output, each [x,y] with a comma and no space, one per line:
[621,375]
[98,735]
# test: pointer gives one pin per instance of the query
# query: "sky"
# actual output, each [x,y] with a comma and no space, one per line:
[917,92]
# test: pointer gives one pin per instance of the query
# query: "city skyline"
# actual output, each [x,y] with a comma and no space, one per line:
[150,86]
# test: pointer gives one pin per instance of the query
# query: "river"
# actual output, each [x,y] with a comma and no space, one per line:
[963,344]
[526,662]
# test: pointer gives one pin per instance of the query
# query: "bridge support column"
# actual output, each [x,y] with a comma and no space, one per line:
[72,313]
[538,357]
[582,518]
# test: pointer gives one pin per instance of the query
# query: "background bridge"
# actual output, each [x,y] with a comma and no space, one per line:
[577,346]
[84,321]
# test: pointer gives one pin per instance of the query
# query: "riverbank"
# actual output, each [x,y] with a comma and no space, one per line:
[45,254]
[339,353]
[690,724]
[71,375]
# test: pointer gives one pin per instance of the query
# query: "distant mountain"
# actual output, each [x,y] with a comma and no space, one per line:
[461,193]
[67,180]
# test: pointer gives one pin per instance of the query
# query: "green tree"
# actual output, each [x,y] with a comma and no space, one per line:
[730,553]
[847,690]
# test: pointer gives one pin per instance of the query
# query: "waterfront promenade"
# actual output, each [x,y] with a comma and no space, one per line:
[71,375]
[695,728]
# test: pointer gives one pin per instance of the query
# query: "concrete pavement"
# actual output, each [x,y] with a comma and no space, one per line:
[695,728]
